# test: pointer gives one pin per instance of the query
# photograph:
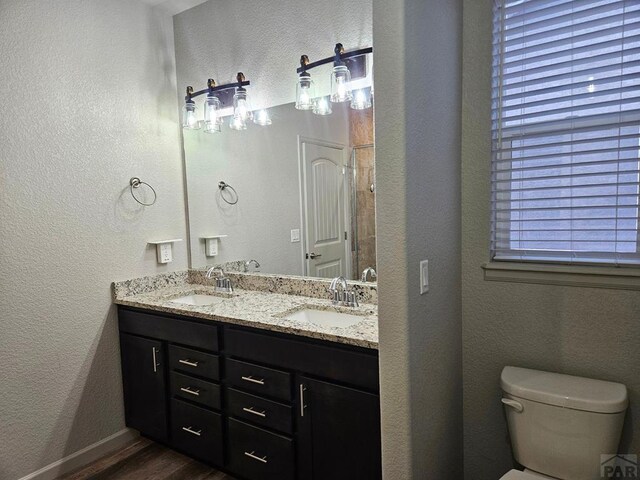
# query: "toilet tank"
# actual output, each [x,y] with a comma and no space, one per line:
[560,425]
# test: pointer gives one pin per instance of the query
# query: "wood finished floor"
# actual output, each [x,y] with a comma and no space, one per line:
[146,460]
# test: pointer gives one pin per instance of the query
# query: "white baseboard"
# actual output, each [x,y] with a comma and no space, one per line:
[84,456]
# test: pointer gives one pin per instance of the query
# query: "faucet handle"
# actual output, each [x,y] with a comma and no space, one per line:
[351,299]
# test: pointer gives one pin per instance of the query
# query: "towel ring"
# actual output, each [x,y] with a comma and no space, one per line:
[223,186]
[135,182]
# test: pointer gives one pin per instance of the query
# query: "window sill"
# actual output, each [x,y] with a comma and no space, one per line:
[622,278]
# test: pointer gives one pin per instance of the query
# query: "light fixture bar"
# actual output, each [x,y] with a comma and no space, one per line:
[332,58]
[191,94]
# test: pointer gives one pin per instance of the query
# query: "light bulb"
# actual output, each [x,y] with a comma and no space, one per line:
[237,123]
[241,107]
[361,100]
[340,80]
[262,118]
[189,118]
[212,119]
[305,92]
[322,106]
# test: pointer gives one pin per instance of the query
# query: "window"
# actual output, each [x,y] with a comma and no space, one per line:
[566,131]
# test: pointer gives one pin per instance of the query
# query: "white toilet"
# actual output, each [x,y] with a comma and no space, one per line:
[560,424]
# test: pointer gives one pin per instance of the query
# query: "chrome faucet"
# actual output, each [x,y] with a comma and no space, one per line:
[223,284]
[342,296]
[248,263]
[367,271]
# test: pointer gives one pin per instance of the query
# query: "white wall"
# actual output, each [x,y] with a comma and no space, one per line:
[87,101]
[417,127]
[579,331]
[265,40]
[261,163]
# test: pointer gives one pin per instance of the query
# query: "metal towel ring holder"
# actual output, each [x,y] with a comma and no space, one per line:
[135,182]
[223,186]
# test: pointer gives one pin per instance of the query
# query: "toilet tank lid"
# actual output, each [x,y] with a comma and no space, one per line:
[564,390]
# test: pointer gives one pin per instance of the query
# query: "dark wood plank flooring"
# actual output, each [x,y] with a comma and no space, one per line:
[146,460]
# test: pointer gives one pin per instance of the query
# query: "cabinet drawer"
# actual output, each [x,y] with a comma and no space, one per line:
[256,454]
[258,410]
[350,365]
[185,332]
[195,390]
[194,362]
[197,432]
[262,380]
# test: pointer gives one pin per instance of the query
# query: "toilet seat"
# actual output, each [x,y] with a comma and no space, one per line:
[526,475]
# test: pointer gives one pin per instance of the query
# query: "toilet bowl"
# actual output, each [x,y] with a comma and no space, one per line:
[560,425]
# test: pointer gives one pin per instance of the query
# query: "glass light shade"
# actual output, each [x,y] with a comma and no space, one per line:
[189,117]
[305,93]
[212,118]
[237,123]
[340,84]
[322,106]
[262,118]
[361,99]
[241,106]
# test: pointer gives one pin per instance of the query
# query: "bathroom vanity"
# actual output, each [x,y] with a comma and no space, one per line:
[264,399]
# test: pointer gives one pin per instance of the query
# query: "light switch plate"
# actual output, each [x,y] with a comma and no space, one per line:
[295,235]
[165,255]
[211,247]
[424,277]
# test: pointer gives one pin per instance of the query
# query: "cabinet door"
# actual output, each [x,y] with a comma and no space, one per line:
[339,432]
[143,380]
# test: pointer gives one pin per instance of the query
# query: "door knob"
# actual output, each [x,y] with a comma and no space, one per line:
[313,255]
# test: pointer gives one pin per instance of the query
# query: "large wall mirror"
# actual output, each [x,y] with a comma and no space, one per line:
[300,193]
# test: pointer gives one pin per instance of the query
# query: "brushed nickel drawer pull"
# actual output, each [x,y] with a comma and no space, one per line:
[190,429]
[188,362]
[253,380]
[302,404]
[262,414]
[255,457]
[195,392]
[155,360]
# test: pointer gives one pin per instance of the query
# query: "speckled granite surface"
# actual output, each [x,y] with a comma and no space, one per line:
[287,284]
[252,308]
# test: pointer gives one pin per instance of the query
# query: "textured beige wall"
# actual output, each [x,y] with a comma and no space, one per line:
[579,331]
[87,100]
[417,129]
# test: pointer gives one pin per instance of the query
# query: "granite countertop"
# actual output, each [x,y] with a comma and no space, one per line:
[257,309]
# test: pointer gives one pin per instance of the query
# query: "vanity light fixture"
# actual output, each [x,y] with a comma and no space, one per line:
[322,106]
[220,97]
[305,89]
[212,118]
[262,118]
[340,78]
[343,65]
[189,118]
[361,99]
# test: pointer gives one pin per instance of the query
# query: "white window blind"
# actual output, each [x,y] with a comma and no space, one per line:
[566,131]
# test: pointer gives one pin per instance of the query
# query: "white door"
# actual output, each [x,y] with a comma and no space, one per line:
[323,195]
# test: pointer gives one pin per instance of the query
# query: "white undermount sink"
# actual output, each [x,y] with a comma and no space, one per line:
[198,299]
[325,318]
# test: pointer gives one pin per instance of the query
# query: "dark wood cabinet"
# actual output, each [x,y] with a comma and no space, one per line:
[339,432]
[144,385]
[257,404]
